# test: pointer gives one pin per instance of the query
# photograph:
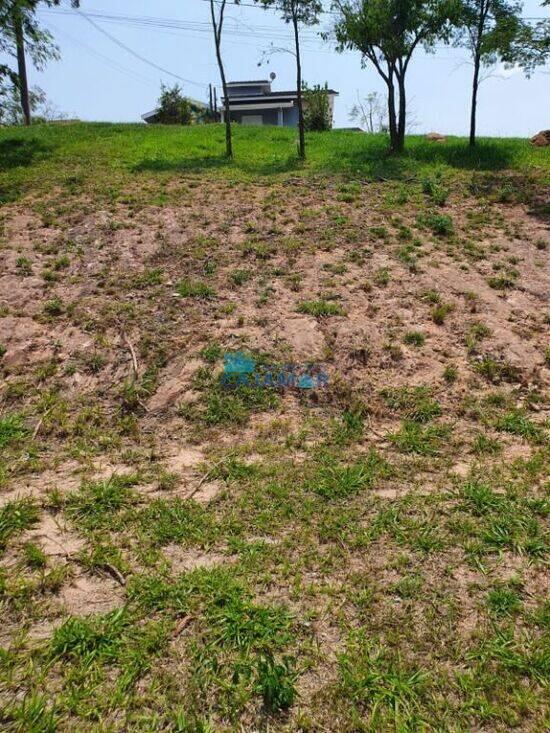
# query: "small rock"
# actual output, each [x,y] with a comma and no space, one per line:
[541,139]
[436,137]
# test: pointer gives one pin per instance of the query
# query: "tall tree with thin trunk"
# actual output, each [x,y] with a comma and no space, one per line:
[387,33]
[297,13]
[217,26]
[493,31]
[20,31]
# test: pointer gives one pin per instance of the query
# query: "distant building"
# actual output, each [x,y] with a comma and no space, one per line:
[253,103]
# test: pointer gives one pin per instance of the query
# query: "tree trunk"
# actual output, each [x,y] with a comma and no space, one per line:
[301,123]
[22,67]
[473,113]
[227,111]
[392,120]
[402,126]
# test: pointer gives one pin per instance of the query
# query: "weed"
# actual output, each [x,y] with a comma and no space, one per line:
[97,503]
[34,555]
[440,224]
[212,352]
[276,682]
[503,600]
[380,685]
[53,307]
[517,423]
[423,440]
[415,403]
[16,516]
[440,312]
[450,374]
[484,445]
[194,289]
[382,277]
[320,308]
[24,266]
[333,480]
[433,187]
[414,338]
[239,277]
[496,370]
[12,430]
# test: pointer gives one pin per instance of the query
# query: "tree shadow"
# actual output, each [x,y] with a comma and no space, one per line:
[369,156]
[200,164]
[16,152]
[486,156]
[174,165]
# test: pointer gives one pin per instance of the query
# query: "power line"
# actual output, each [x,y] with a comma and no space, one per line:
[137,55]
[106,59]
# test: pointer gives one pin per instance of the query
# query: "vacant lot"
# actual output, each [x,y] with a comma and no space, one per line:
[363,556]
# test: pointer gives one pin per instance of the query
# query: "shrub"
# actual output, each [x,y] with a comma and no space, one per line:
[316,108]
[174,108]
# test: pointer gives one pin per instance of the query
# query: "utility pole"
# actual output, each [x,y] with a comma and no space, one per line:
[22,66]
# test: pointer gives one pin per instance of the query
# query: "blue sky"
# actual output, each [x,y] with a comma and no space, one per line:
[98,80]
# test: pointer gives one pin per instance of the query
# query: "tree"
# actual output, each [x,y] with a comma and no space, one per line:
[370,113]
[41,108]
[174,108]
[217,26]
[297,12]
[20,30]
[493,30]
[387,33]
[317,115]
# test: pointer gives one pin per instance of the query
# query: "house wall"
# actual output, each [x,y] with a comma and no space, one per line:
[271,116]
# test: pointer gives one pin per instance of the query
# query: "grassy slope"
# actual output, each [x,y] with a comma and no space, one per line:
[369,558]
[83,152]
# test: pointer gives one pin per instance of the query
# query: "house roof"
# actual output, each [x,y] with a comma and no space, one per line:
[247,83]
[273,96]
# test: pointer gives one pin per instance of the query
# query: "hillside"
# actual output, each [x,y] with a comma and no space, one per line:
[352,540]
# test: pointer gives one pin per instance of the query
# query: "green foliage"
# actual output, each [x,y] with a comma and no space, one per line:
[380,685]
[434,187]
[276,682]
[440,224]
[414,338]
[16,516]
[423,440]
[317,117]
[97,503]
[517,423]
[194,289]
[334,480]
[386,34]
[319,308]
[12,430]
[414,403]
[173,107]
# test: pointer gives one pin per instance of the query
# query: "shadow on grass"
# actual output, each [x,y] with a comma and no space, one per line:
[369,156]
[486,156]
[16,152]
[205,163]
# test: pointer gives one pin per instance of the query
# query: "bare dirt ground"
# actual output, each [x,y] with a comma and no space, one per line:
[113,327]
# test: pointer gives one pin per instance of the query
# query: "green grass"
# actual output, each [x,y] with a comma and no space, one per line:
[12,430]
[105,156]
[194,289]
[15,517]
[320,308]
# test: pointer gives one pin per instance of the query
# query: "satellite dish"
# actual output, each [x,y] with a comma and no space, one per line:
[273,76]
